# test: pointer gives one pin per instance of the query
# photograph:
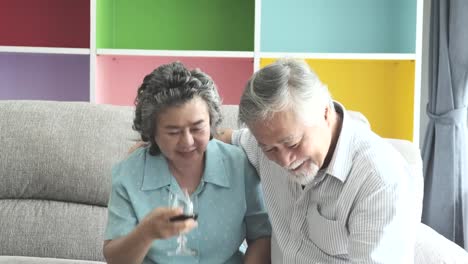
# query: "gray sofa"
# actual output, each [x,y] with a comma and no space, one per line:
[55,173]
[55,163]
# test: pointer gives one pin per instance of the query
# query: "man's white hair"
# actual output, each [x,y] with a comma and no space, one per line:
[287,84]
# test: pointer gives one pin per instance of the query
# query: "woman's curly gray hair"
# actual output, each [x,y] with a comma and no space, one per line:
[171,85]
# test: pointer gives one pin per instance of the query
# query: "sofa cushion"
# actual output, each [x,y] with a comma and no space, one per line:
[43,228]
[433,248]
[55,175]
[61,151]
[34,260]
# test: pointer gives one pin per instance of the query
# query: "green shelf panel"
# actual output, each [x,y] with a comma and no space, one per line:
[175,25]
[338,26]
[104,27]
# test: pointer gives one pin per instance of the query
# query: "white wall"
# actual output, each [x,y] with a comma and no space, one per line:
[425,72]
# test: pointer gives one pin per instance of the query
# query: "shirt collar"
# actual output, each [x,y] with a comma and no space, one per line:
[342,159]
[157,174]
[215,169]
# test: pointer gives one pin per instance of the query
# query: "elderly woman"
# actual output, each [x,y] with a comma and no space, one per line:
[177,112]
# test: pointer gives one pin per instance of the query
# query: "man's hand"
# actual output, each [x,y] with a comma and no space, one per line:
[137,145]
[225,135]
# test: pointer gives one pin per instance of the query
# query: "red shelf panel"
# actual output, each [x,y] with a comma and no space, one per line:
[45,23]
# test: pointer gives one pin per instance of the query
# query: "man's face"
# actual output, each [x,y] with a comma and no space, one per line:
[295,146]
[183,132]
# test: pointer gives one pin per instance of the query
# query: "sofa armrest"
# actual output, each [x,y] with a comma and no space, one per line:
[433,248]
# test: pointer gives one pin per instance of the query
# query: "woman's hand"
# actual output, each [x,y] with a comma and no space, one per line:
[133,247]
[157,224]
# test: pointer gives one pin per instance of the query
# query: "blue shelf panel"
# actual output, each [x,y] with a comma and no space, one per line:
[338,26]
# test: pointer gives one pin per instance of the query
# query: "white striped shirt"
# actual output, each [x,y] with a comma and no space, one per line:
[357,210]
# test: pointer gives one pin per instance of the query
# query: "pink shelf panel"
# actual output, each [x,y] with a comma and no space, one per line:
[118,77]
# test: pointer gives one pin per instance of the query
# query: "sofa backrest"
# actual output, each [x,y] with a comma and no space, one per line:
[55,167]
[55,174]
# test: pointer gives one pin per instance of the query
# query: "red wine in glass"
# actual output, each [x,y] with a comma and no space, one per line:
[183,217]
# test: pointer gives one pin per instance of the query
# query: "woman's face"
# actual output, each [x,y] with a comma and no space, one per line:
[183,132]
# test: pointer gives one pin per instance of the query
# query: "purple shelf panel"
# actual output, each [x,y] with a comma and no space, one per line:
[32,76]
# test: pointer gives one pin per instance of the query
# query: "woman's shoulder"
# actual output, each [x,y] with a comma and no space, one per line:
[133,164]
[135,158]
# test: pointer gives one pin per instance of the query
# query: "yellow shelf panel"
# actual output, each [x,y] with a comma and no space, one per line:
[383,90]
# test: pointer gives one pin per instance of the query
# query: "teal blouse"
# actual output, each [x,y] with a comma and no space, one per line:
[230,204]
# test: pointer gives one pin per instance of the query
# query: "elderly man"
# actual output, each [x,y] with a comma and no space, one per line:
[335,191]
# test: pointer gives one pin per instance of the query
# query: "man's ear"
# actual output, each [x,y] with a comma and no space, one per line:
[326,113]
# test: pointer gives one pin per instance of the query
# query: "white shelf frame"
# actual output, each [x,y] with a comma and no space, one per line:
[93,53]
[45,50]
[340,56]
[176,53]
[257,55]
[417,71]
[257,35]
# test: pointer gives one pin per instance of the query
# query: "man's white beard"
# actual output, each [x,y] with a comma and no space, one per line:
[304,176]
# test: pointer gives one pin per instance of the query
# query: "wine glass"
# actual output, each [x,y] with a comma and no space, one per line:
[187,205]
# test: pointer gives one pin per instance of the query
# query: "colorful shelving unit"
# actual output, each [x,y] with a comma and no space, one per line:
[135,36]
[44,50]
[367,51]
